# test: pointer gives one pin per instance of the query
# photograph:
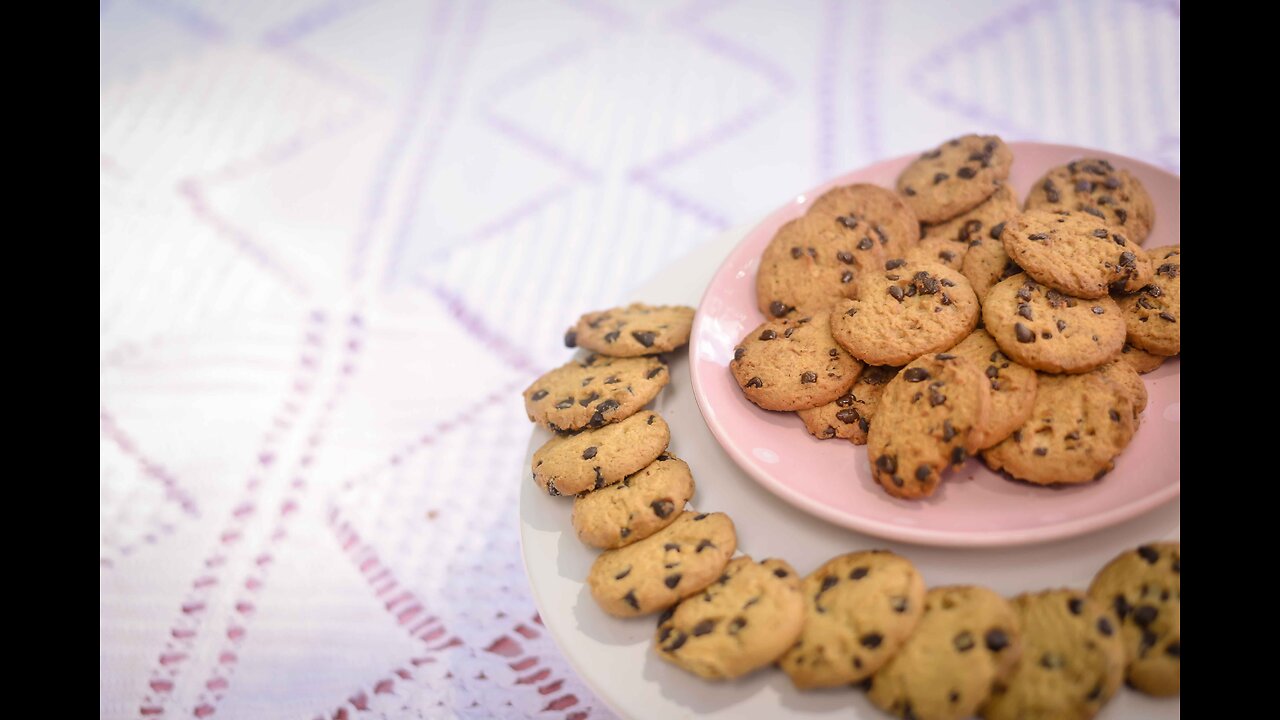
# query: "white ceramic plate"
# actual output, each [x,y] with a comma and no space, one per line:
[613,656]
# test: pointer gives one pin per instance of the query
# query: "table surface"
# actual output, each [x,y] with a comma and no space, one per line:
[337,238]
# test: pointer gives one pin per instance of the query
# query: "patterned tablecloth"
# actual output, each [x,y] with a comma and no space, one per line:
[339,236]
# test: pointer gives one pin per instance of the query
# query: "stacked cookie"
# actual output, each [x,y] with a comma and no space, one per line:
[965,325]
[630,496]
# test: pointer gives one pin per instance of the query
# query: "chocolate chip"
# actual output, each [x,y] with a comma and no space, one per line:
[1062,325]
[672,581]
[594,396]
[1168,317]
[755,382]
[859,572]
[571,339]
[848,416]
[922,473]
[768,335]
[948,432]
[896,292]
[779,309]
[589,453]
[996,230]
[1144,615]
[809,377]
[630,597]
[958,455]
[909,191]
[966,172]
[1115,416]
[828,582]
[703,545]
[848,221]
[797,253]
[1023,333]
[737,624]
[887,464]
[845,257]
[1075,605]
[538,395]
[939,177]
[1121,606]
[607,406]
[963,642]
[653,373]
[1104,627]
[1122,215]
[700,516]
[779,572]
[1041,451]
[997,640]
[611,336]
[865,244]
[899,604]
[644,337]
[916,374]
[1173,649]
[676,644]
[704,627]
[936,398]
[871,641]
[662,508]
[624,533]
[1095,693]
[1025,311]
[1084,186]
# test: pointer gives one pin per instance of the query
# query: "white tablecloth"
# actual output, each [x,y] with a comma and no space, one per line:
[339,236]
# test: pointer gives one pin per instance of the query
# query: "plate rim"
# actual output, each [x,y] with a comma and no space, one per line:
[913,534]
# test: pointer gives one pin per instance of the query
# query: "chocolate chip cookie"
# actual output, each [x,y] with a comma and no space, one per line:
[861,608]
[967,640]
[1072,659]
[905,311]
[793,364]
[955,177]
[1013,387]
[811,263]
[592,459]
[739,623]
[986,263]
[978,222]
[1095,186]
[849,416]
[931,416]
[1078,426]
[1075,253]
[594,391]
[634,330]
[1047,330]
[1144,588]
[1153,315]
[655,573]
[639,506]
[1122,374]
[1141,360]
[864,212]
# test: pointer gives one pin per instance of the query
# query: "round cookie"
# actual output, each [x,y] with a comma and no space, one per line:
[1152,315]
[1075,253]
[636,329]
[793,364]
[592,459]
[1122,374]
[849,416]
[811,263]
[865,212]
[939,250]
[1140,360]
[861,608]
[1041,328]
[740,623]
[1144,588]
[955,177]
[1095,186]
[986,263]
[904,312]
[1079,424]
[967,640]
[664,568]
[639,506]
[1072,659]
[1013,387]
[930,416]
[593,391]
[976,223]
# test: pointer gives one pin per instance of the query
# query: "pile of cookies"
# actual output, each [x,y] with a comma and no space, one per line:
[942,320]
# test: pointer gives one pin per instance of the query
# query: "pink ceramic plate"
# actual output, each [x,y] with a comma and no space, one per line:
[974,507]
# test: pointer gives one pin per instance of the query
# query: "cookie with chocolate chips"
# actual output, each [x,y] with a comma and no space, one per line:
[592,459]
[967,640]
[978,222]
[955,177]
[738,624]
[940,251]
[1047,330]
[634,330]
[1122,374]
[810,264]
[986,263]
[1077,428]
[1072,659]
[931,417]
[1140,360]
[865,212]
[655,573]
[1095,186]
[1013,387]
[861,607]
[593,391]
[793,364]
[849,416]
[1075,253]
[905,311]
[639,506]
[1153,315]
[1144,588]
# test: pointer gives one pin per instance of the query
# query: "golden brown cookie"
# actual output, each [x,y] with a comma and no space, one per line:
[986,263]
[1144,587]
[849,416]
[636,329]
[1153,315]
[639,506]
[593,391]
[592,459]
[1075,253]
[1044,329]
[1141,360]
[978,222]
[811,263]
[793,364]
[1097,187]
[1013,387]
[955,177]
